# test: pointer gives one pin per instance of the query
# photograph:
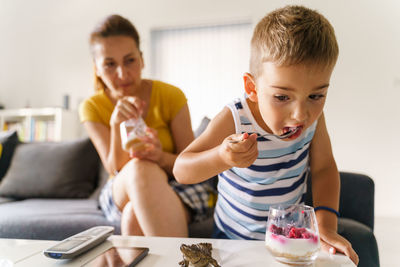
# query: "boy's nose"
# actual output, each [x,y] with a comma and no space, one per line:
[300,112]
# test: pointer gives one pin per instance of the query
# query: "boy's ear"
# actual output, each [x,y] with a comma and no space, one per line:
[250,87]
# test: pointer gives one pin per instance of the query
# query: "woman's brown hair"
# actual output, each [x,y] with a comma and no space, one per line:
[113,25]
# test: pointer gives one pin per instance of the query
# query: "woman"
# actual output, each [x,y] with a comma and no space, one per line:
[142,194]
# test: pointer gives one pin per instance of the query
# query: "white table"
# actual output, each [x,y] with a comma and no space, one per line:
[164,251]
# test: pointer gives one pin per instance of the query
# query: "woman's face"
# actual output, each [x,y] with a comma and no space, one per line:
[119,64]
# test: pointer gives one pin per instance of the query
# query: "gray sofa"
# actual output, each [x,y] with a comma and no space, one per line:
[50,191]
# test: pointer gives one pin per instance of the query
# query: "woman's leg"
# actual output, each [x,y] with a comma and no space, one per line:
[129,223]
[157,208]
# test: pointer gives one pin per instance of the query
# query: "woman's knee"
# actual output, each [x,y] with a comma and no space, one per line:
[130,179]
[143,172]
[139,165]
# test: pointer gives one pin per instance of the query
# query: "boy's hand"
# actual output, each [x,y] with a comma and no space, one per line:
[239,154]
[332,242]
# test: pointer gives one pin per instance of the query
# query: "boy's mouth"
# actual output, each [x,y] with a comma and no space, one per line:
[292,132]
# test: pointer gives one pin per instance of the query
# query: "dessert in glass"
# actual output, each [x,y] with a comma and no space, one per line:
[292,235]
[132,131]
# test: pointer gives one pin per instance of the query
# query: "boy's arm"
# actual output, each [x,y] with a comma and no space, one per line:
[325,176]
[200,160]
[326,191]
[211,153]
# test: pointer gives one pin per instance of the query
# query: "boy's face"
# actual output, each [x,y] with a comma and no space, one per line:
[289,97]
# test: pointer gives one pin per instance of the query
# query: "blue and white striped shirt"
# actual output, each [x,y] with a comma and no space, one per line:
[278,175]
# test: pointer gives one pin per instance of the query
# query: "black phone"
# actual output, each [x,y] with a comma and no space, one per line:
[119,257]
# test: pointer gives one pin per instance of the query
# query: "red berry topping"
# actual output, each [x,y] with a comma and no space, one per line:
[275,229]
[292,232]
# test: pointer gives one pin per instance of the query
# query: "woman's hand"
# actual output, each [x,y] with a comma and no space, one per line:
[332,242]
[153,149]
[126,108]
[239,154]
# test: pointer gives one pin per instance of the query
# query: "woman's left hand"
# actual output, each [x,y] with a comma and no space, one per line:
[333,242]
[153,149]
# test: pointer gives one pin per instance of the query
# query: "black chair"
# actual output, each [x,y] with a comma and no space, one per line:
[356,222]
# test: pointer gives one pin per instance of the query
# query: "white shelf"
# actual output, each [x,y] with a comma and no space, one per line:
[41,124]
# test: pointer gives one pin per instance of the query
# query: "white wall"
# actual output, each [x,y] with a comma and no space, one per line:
[44,55]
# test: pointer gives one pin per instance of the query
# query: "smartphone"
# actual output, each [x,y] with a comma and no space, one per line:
[119,257]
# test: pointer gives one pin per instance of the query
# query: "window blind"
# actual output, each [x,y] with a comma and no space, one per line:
[206,62]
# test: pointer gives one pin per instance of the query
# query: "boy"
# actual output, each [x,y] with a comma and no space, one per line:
[293,53]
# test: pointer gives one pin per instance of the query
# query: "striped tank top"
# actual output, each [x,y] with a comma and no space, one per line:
[278,176]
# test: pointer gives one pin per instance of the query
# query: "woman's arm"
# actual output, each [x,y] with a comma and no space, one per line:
[211,153]
[108,145]
[182,135]
[108,142]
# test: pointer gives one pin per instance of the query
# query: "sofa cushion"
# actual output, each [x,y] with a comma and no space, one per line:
[52,170]
[5,200]
[50,219]
[201,128]
[101,181]
[8,142]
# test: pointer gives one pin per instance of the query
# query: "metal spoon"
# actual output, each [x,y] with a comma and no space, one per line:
[283,136]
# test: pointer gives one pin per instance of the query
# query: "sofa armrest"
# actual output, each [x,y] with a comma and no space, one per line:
[357,198]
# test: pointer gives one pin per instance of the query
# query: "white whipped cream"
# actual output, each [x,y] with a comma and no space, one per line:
[291,246]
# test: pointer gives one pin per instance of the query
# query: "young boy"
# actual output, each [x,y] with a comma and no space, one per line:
[293,53]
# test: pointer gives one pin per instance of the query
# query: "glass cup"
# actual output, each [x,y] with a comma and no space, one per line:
[292,235]
[132,131]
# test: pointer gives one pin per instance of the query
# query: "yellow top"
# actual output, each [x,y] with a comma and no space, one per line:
[165,102]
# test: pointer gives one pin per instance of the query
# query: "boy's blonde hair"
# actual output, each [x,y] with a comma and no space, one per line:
[293,35]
